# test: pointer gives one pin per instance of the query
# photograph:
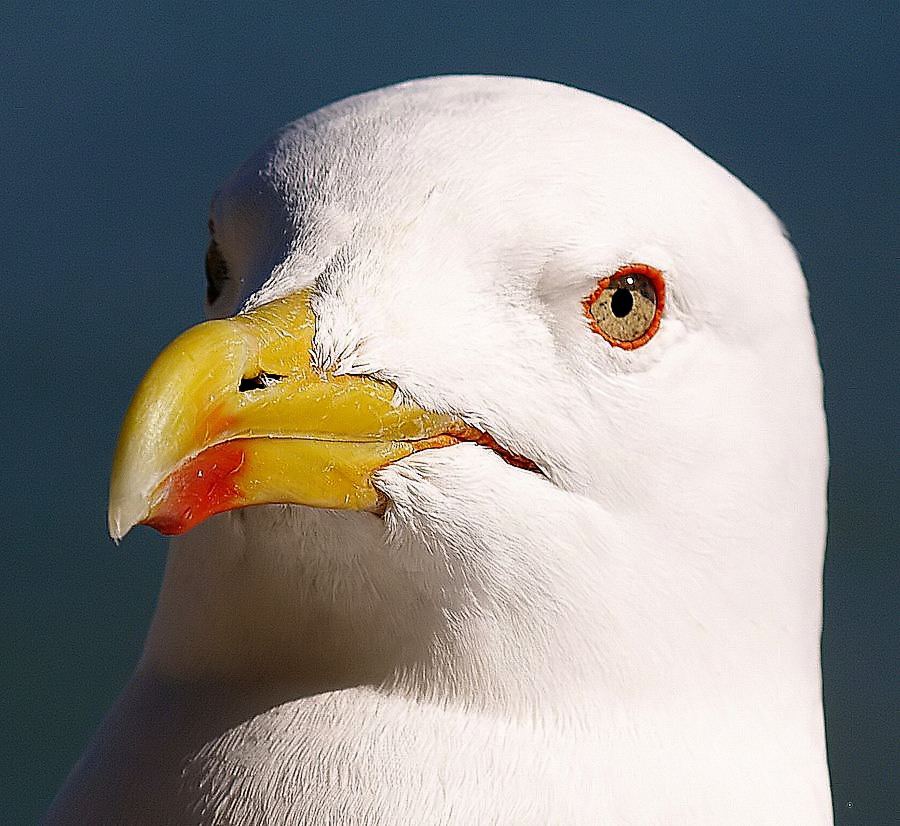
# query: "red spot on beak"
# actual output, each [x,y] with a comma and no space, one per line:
[199,488]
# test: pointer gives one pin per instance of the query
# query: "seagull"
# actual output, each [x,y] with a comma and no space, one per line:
[497,482]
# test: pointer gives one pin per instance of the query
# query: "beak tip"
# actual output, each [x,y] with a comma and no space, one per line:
[116,531]
[121,519]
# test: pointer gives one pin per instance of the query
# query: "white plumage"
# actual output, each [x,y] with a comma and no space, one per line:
[632,637]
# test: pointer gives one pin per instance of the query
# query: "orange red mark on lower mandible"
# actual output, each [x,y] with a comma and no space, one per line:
[203,486]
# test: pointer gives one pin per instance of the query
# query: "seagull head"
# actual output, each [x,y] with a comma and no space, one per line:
[509,371]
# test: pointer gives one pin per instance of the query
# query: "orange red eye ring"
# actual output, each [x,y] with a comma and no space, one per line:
[658,283]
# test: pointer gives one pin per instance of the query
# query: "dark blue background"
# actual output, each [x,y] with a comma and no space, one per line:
[119,122]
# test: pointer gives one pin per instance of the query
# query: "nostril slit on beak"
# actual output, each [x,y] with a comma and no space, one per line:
[259,381]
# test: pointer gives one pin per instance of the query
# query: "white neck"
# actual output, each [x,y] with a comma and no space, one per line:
[320,600]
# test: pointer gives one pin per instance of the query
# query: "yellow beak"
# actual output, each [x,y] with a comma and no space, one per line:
[233,414]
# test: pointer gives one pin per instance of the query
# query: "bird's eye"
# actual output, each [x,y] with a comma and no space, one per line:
[216,272]
[626,306]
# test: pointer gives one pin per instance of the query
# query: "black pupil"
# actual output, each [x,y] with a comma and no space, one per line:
[621,302]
